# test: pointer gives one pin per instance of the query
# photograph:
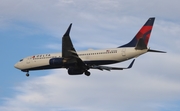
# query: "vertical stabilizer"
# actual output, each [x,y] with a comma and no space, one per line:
[142,37]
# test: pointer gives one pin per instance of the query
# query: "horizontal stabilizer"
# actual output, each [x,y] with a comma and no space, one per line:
[150,50]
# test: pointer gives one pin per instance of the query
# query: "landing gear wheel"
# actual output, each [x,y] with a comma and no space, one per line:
[87,73]
[27,74]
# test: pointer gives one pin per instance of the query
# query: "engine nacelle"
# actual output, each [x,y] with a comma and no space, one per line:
[56,62]
[75,71]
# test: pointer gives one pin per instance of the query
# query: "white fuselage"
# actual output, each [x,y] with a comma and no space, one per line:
[114,54]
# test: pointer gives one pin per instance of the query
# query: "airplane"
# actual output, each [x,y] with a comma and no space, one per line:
[80,62]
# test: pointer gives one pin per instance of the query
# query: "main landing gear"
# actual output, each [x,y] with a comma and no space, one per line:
[87,73]
[27,74]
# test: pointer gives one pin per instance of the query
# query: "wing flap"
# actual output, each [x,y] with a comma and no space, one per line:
[111,68]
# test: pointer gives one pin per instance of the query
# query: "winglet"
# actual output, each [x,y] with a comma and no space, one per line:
[131,64]
[68,30]
[67,44]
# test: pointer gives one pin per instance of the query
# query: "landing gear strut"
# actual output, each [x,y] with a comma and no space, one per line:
[27,74]
[87,73]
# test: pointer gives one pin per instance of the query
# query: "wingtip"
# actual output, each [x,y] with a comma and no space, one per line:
[68,30]
[131,64]
[152,18]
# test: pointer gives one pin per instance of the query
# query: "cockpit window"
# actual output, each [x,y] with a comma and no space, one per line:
[21,60]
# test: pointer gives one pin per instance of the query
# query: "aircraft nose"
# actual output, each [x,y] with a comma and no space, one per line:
[17,66]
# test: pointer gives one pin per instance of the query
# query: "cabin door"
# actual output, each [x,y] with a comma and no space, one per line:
[28,61]
[123,51]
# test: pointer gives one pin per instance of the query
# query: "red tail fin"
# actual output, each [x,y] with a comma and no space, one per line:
[143,34]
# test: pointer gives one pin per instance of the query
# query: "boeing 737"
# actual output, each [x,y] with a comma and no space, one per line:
[80,62]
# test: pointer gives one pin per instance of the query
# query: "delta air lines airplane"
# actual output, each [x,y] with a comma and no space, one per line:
[82,61]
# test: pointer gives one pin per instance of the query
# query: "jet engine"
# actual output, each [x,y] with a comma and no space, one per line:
[56,61]
[75,71]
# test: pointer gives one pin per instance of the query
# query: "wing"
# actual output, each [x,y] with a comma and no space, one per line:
[69,53]
[111,68]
